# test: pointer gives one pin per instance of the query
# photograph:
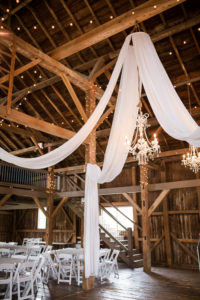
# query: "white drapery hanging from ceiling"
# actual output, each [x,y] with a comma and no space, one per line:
[168,109]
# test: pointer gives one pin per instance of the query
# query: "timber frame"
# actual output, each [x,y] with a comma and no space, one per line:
[50,86]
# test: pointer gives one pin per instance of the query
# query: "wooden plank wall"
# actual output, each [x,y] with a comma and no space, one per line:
[183,210]
[6,221]
[27,227]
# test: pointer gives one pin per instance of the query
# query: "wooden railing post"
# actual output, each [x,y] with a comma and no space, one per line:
[130,246]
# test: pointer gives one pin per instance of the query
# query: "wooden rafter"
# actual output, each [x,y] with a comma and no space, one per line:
[157,202]
[11,76]
[141,13]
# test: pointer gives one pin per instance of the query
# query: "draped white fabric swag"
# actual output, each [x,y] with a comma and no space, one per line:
[168,109]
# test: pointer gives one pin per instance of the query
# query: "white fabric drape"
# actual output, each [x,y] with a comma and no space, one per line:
[123,125]
[165,102]
[167,106]
[70,146]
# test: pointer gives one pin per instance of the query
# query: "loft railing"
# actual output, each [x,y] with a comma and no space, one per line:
[20,176]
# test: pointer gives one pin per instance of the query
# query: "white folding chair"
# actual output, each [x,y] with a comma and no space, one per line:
[50,267]
[21,251]
[22,257]
[112,265]
[24,280]
[102,270]
[65,268]
[79,265]
[6,278]
[4,252]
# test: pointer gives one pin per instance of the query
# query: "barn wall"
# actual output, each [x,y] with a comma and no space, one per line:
[26,226]
[6,226]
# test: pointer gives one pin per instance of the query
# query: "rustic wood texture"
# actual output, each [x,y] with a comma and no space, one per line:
[161,283]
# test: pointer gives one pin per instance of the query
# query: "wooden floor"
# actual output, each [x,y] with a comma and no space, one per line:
[161,284]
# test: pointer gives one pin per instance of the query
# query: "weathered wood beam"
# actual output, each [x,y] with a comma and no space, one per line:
[26,120]
[157,201]
[11,76]
[4,199]
[60,204]
[157,242]
[40,205]
[95,69]
[67,216]
[168,247]
[74,96]
[118,24]
[184,248]
[132,202]
[20,70]
[146,250]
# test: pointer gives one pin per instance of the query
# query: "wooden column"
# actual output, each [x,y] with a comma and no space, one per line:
[145,219]
[166,221]
[14,226]
[135,214]
[74,229]
[50,189]
[90,157]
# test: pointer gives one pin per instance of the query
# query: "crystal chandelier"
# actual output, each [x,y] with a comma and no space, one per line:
[192,159]
[141,148]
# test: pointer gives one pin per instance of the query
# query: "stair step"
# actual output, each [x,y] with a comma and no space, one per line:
[138,263]
[137,256]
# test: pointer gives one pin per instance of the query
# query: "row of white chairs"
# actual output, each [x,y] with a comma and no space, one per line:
[63,267]
[21,279]
[6,252]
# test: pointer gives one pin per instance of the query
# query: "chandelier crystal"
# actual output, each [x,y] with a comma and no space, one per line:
[192,159]
[141,148]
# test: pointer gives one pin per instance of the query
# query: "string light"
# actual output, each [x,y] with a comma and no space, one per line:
[40,76]
[71,24]
[53,26]
[18,28]
[155,6]
[91,21]
[170,53]
[111,17]
[184,42]
[35,27]
[2,19]
[1,27]
[7,10]
[22,76]
[35,71]
[17,1]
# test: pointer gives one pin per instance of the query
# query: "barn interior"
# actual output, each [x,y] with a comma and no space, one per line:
[56,59]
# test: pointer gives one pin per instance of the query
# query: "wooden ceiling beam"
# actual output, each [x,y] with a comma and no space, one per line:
[116,25]
[156,37]
[20,70]
[26,120]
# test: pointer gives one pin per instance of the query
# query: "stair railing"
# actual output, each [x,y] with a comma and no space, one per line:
[110,203]
[128,231]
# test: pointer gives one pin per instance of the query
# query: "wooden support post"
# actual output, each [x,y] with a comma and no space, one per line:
[166,221]
[135,214]
[11,76]
[14,226]
[145,219]
[130,246]
[49,226]
[90,157]
[74,229]
[50,189]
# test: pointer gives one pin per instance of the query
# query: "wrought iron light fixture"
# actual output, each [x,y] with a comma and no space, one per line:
[142,148]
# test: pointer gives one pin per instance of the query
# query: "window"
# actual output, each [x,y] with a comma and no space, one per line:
[111,225]
[41,219]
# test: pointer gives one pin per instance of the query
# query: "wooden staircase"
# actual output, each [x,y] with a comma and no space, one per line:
[128,254]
